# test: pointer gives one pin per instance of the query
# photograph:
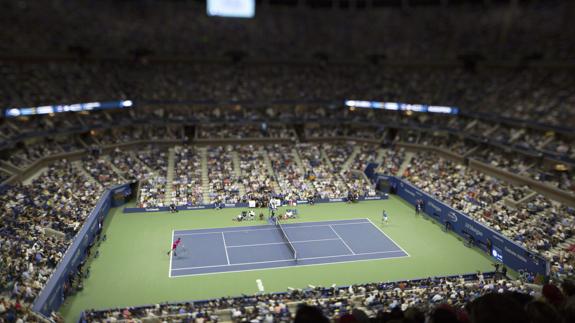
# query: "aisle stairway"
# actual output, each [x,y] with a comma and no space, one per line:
[170,175]
[345,167]
[78,166]
[270,169]
[110,163]
[297,160]
[35,175]
[515,136]
[238,172]
[144,165]
[205,180]
[555,251]
[326,159]
[379,156]
[10,167]
[406,162]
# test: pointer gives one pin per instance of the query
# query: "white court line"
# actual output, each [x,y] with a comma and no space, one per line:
[225,248]
[270,229]
[199,233]
[348,248]
[171,255]
[328,263]
[291,260]
[274,243]
[238,264]
[256,245]
[286,267]
[397,244]
[304,241]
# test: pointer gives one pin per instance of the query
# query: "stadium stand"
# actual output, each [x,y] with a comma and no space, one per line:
[379,301]
[57,201]
[253,108]
[256,174]
[400,85]
[188,185]
[223,182]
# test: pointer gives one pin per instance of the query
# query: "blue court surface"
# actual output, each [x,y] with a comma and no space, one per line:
[220,250]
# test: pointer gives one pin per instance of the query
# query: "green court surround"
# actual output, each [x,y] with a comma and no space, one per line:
[132,267]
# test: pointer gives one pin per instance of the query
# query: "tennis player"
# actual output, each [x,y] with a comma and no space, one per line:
[384,217]
[175,246]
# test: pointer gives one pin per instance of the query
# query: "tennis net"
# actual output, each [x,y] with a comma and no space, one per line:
[286,239]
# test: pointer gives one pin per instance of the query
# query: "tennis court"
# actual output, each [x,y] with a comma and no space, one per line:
[220,250]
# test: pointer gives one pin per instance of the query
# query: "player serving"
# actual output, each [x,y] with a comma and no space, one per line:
[175,246]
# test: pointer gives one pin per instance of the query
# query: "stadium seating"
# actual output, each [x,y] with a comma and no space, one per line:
[187,186]
[378,301]
[451,87]
[277,31]
[538,223]
[232,119]
[58,200]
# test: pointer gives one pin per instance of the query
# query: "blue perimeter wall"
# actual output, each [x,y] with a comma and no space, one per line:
[52,296]
[514,256]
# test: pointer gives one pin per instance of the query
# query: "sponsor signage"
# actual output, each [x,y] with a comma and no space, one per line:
[510,253]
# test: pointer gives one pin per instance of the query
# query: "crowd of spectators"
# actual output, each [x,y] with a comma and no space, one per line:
[556,146]
[61,197]
[25,276]
[328,131]
[256,176]
[32,152]
[152,190]
[113,136]
[480,298]
[130,167]
[279,32]
[100,168]
[323,181]
[366,154]
[223,182]
[182,81]
[338,154]
[391,161]
[245,132]
[187,186]
[324,132]
[289,175]
[562,178]
[237,173]
[135,167]
[59,200]
[554,172]
[538,224]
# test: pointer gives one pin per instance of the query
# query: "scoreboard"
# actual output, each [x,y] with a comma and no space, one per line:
[232,8]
